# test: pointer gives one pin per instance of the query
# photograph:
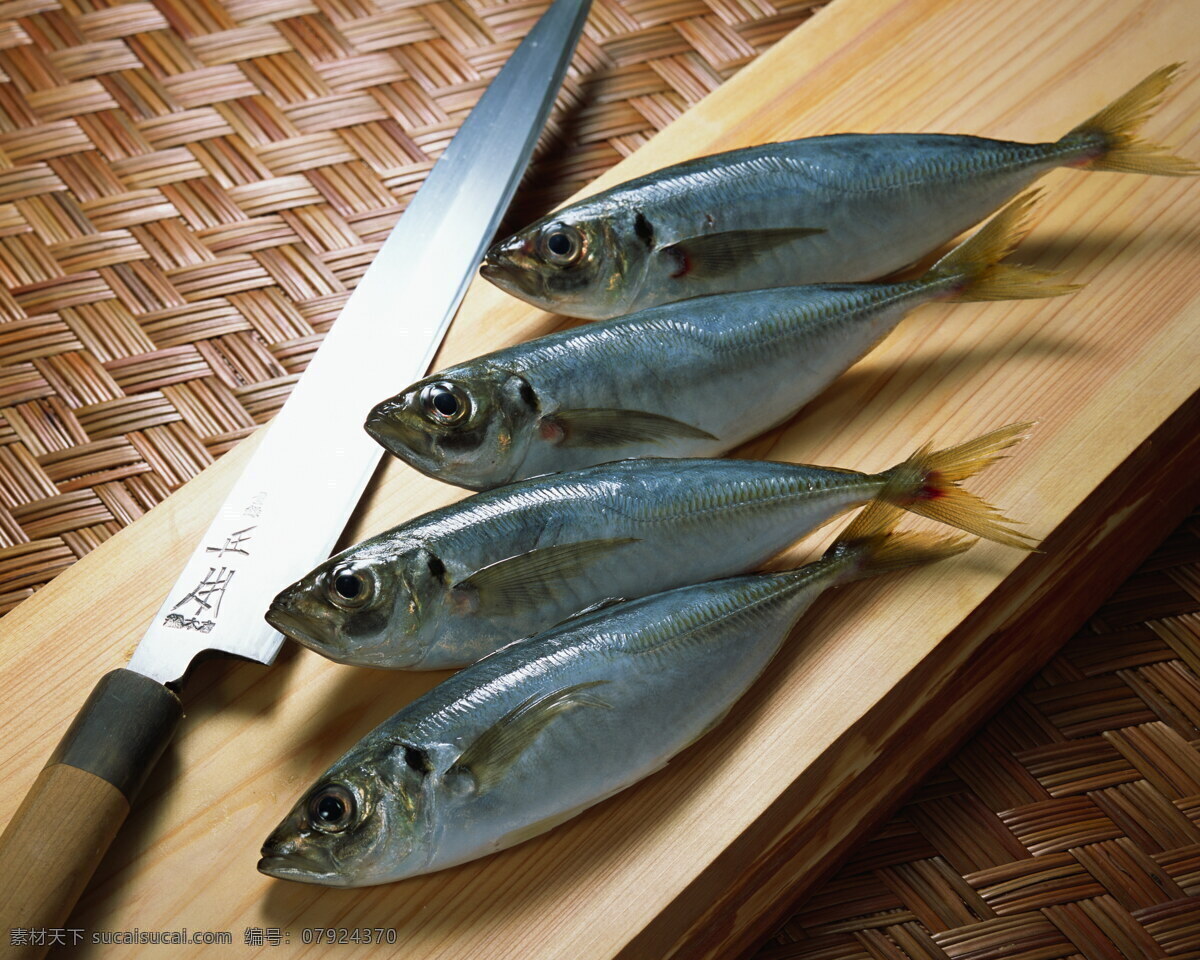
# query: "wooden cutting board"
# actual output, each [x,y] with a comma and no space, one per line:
[874,687]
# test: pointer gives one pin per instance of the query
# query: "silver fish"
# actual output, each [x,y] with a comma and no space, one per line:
[841,208]
[691,379]
[454,585]
[541,730]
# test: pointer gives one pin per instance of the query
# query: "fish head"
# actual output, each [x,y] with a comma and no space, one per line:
[582,262]
[370,606]
[470,425]
[363,822]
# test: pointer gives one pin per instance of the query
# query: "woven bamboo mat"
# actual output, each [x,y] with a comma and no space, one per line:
[1068,827]
[189,190]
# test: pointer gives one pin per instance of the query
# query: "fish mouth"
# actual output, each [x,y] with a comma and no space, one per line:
[298,867]
[295,626]
[288,857]
[510,269]
[493,270]
[504,276]
[386,426]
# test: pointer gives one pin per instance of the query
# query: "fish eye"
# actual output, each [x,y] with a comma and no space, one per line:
[444,402]
[331,808]
[348,588]
[562,244]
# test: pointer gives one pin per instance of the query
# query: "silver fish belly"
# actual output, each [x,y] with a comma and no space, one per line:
[689,379]
[452,586]
[876,203]
[513,561]
[839,208]
[701,377]
[546,727]
[657,675]
[590,708]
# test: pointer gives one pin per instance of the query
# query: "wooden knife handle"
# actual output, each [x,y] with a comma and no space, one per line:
[66,822]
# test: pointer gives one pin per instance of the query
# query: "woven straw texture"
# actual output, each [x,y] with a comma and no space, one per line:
[1069,827]
[190,189]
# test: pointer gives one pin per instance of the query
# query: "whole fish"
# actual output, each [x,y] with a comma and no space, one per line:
[842,208]
[691,379]
[448,588]
[546,727]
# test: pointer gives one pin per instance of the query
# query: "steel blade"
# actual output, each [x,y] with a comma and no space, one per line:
[289,506]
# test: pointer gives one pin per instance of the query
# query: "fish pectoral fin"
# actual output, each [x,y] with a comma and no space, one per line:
[483,764]
[612,428]
[531,578]
[713,254]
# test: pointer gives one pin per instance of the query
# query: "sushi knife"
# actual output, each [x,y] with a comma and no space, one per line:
[288,507]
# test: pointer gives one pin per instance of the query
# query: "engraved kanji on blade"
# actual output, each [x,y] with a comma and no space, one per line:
[207,597]
[308,469]
[233,543]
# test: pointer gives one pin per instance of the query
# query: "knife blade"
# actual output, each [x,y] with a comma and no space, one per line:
[287,509]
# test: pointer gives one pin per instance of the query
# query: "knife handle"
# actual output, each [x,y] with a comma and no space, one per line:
[77,804]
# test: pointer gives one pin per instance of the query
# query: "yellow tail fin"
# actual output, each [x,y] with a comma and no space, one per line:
[1112,133]
[927,484]
[872,547]
[974,265]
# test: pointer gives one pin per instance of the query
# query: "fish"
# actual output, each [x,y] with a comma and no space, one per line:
[452,586]
[689,379]
[550,725]
[833,209]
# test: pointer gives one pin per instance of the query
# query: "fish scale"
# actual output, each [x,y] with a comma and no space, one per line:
[691,520]
[547,726]
[845,207]
[452,586]
[734,366]
[689,379]
[922,197]
[589,752]
[740,607]
[749,496]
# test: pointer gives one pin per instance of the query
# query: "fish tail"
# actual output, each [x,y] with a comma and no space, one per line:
[927,484]
[870,546]
[974,270]
[1108,142]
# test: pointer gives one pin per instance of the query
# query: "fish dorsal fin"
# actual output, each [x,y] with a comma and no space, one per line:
[714,254]
[529,579]
[483,764]
[612,428]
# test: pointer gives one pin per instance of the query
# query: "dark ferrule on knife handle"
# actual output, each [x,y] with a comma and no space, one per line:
[66,822]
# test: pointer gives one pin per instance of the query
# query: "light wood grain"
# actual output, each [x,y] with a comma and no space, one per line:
[41,882]
[873,687]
